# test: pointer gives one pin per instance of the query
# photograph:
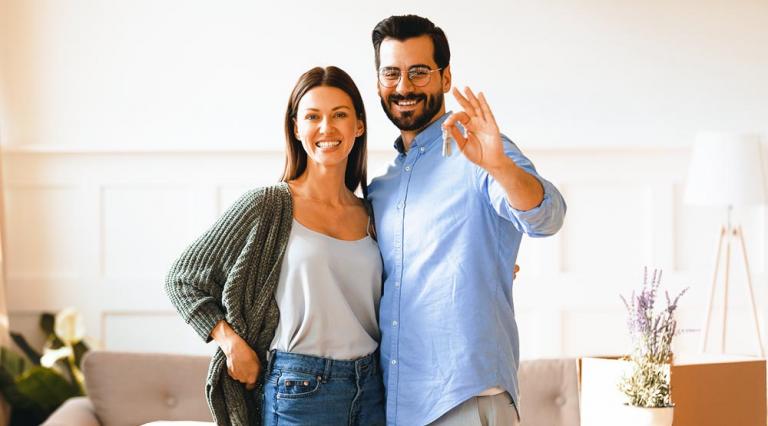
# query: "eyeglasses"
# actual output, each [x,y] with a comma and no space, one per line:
[419,76]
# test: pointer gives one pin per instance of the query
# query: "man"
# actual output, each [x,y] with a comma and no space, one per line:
[449,229]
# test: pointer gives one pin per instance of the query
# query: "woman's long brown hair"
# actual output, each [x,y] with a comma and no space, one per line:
[296,157]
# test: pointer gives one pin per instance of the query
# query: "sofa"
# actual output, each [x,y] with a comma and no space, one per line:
[129,389]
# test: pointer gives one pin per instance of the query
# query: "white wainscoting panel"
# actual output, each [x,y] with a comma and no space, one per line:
[151,332]
[41,232]
[145,227]
[613,218]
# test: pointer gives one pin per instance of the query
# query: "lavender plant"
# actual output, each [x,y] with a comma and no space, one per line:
[651,331]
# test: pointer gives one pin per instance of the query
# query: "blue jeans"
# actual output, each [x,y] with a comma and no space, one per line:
[308,390]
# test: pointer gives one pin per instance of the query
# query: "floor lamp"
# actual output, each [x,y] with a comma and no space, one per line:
[726,171]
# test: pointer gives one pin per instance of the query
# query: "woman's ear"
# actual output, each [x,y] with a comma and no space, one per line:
[296,130]
[360,128]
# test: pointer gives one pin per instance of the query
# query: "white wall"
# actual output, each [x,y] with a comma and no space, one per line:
[200,75]
[127,126]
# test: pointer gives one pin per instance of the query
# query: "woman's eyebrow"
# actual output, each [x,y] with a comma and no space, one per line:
[334,109]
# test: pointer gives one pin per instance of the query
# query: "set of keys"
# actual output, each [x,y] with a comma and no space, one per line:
[447,139]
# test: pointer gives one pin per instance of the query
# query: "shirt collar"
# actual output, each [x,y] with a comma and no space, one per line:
[427,137]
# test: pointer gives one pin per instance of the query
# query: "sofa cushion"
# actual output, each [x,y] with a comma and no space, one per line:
[549,392]
[135,388]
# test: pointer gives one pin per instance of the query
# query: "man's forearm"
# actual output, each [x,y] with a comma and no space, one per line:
[523,190]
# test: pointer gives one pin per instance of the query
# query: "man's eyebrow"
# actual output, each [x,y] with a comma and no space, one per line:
[410,68]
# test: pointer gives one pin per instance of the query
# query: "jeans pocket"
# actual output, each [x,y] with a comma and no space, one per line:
[293,385]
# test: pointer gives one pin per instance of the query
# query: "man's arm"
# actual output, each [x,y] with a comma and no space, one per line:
[531,202]
[541,220]
[523,190]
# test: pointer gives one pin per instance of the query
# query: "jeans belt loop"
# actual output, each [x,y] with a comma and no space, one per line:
[373,361]
[270,360]
[327,372]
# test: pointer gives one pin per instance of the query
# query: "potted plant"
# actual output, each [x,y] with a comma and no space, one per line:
[649,399]
[36,384]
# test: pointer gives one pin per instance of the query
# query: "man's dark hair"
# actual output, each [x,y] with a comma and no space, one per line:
[408,26]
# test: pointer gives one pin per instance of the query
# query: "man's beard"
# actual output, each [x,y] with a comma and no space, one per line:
[411,120]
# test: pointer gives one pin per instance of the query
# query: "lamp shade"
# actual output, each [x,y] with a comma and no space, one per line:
[725,170]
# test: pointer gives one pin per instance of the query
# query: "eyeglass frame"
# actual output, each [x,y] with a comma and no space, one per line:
[378,75]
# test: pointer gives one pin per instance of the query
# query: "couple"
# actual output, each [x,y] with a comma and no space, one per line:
[303,290]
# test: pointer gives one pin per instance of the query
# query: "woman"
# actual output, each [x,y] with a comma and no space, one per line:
[288,280]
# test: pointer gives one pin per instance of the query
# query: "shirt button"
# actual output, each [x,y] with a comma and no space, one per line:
[394,323]
[400,206]
[397,284]
[422,149]
[394,362]
[407,168]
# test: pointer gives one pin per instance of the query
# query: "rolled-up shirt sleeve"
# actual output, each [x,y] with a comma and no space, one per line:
[541,221]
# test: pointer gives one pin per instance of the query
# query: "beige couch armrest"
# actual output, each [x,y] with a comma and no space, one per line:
[74,411]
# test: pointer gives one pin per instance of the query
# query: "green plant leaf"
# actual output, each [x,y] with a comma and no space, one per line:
[8,388]
[11,366]
[46,388]
[12,363]
[25,347]
[15,398]
[47,322]
[80,348]
[35,393]
[54,342]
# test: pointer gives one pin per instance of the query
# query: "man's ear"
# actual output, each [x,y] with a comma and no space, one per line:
[447,79]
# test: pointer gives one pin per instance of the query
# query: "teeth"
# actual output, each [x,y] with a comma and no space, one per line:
[406,103]
[327,144]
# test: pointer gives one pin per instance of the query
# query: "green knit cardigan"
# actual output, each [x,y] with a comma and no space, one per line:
[231,273]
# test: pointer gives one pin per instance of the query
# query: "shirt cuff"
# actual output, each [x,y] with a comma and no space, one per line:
[542,220]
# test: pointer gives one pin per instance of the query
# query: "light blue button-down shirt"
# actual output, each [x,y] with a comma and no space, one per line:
[449,240]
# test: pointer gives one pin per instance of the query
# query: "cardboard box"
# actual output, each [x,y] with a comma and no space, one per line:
[707,390]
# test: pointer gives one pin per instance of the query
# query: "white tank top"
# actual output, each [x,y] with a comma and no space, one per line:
[328,295]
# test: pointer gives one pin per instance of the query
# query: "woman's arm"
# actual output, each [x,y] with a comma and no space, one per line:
[242,362]
[196,280]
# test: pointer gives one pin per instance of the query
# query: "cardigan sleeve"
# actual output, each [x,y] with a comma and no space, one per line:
[196,280]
